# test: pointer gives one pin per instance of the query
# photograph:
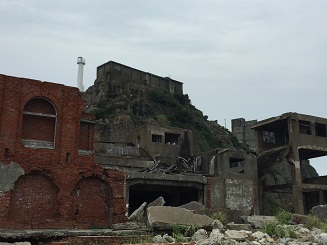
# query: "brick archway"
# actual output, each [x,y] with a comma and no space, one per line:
[91,203]
[33,201]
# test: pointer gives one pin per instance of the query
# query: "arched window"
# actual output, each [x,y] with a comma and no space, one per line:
[39,124]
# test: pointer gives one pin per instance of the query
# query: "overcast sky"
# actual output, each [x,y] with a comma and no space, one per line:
[253,58]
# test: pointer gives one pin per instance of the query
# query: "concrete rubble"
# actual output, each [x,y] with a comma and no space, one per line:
[320,212]
[163,218]
[197,207]
[258,221]
[247,237]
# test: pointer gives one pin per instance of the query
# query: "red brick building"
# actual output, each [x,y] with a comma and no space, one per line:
[48,178]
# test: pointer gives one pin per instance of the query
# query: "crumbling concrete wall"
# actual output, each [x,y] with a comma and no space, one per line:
[243,132]
[39,182]
[232,186]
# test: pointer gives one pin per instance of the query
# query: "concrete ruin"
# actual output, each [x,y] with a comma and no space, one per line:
[106,70]
[48,140]
[295,138]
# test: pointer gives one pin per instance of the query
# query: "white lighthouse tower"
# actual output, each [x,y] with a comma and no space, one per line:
[81,63]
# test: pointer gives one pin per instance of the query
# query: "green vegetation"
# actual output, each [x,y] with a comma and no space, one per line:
[221,216]
[181,113]
[181,232]
[284,217]
[274,229]
[282,227]
[273,207]
[312,221]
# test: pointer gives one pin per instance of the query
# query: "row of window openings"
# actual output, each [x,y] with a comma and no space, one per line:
[305,127]
[169,138]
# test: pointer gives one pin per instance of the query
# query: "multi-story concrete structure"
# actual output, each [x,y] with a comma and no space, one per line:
[166,144]
[105,71]
[294,137]
[48,178]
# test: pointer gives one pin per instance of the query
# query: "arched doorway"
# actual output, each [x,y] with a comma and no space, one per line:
[91,202]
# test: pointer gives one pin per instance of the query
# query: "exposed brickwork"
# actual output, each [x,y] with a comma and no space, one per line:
[62,187]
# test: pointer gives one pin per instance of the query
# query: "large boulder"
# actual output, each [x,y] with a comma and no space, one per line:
[163,218]
[320,212]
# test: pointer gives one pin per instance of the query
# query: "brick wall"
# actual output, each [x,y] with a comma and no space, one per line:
[61,187]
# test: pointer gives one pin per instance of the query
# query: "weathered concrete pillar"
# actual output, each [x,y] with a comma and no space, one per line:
[321,198]
[297,187]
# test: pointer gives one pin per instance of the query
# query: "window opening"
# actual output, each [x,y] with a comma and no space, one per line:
[138,140]
[39,124]
[171,138]
[84,136]
[236,165]
[156,138]
[304,127]
[67,157]
[321,130]
[268,137]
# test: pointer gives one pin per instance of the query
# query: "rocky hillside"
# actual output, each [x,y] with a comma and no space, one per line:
[122,104]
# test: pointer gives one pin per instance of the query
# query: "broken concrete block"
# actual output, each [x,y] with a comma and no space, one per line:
[129,226]
[168,238]
[216,235]
[138,213]
[158,239]
[199,235]
[160,201]
[217,224]
[199,208]
[163,218]
[320,212]
[235,235]
[258,235]
[298,219]
[258,221]
[238,227]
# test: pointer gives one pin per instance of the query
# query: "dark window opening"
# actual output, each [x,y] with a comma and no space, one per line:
[85,144]
[156,138]
[39,124]
[269,137]
[304,127]
[138,140]
[321,130]
[236,165]
[67,157]
[171,138]
[7,152]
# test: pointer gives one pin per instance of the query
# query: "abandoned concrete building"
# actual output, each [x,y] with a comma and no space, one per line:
[290,139]
[111,68]
[55,173]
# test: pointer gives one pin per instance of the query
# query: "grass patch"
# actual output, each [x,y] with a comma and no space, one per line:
[221,216]
[312,221]
[273,229]
[181,232]
[284,217]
